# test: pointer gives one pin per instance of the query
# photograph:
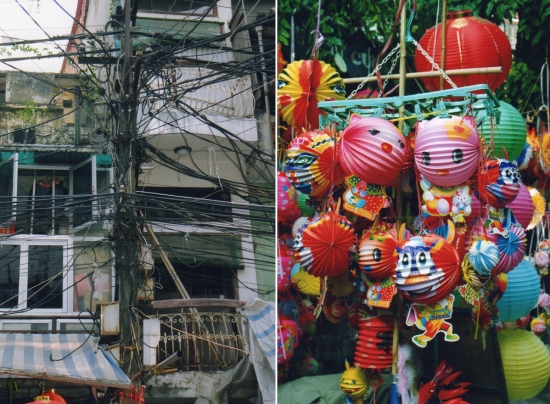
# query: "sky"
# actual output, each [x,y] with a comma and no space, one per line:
[16,24]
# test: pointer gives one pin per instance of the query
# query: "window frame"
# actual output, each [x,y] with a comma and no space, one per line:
[23,282]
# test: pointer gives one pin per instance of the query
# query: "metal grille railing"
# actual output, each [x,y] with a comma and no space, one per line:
[208,340]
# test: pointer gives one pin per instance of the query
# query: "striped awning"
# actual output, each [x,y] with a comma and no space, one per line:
[73,358]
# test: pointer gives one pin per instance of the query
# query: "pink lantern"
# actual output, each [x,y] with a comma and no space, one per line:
[446,150]
[511,248]
[287,200]
[372,149]
[284,268]
[522,207]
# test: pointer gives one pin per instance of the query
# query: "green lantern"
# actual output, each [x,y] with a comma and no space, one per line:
[526,363]
[510,132]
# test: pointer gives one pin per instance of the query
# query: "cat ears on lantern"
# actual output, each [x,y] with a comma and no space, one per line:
[347,363]
[354,118]
[401,234]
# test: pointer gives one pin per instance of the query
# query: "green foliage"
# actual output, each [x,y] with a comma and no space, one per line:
[29,114]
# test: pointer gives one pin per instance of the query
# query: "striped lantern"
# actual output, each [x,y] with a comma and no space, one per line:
[526,363]
[374,343]
[522,293]
[522,207]
[372,149]
[446,150]
[471,42]
[509,133]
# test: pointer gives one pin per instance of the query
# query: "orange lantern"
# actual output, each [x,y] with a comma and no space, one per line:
[471,42]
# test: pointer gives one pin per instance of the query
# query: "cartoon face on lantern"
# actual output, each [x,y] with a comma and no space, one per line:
[376,254]
[447,150]
[354,382]
[310,164]
[372,149]
[499,182]
[428,267]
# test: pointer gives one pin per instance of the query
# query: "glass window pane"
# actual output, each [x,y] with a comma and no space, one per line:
[82,185]
[25,326]
[45,277]
[84,326]
[9,275]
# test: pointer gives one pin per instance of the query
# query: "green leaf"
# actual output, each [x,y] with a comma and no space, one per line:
[340,63]
[285,23]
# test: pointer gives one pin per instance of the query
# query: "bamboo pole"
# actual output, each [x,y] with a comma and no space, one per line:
[443,41]
[394,398]
[419,75]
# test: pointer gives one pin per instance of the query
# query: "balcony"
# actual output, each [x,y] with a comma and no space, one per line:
[208,331]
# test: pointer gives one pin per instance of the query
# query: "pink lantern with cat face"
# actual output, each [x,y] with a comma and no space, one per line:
[522,207]
[446,150]
[372,149]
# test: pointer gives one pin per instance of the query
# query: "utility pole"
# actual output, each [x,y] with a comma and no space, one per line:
[126,228]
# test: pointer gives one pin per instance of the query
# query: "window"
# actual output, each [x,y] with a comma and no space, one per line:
[177,6]
[33,275]
[174,205]
[35,325]
[49,275]
[46,199]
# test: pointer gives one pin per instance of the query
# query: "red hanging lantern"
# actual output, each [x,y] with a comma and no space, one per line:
[471,42]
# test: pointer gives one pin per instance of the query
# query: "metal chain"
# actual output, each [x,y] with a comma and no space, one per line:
[388,75]
[376,69]
[434,65]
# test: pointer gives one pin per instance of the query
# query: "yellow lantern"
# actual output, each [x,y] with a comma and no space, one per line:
[526,363]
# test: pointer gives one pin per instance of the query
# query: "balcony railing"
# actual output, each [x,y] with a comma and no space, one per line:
[210,338]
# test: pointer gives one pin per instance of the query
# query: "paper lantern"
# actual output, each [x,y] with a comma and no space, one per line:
[511,248]
[311,163]
[287,200]
[377,257]
[522,207]
[301,85]
[470,42]
[428,268]
[446,150]
[53,396]
[539,206]
[498,182]
[305,204]
[324,245]
[307,284]
[374,343]
[372,149]
[509,133]
[526,363]
[284,267]
[522,293]
[287,339]
[484,256]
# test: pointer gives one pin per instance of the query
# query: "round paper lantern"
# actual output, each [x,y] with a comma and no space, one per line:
[287,339]
[287,200]
[428,268]
[522,207]
[298,224]
[498,182]
[511,248]
[526,363]
[306,204]
[372,149]
[284,267]
[484,256]
[301,85]
[446,150]
[470,42]
[509,133]
[377,256]
[541,259]
[522,293]
[374,343]
[307,284]
[311,163]
[324,245]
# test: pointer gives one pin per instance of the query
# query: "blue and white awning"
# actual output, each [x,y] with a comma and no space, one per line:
[73,358]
